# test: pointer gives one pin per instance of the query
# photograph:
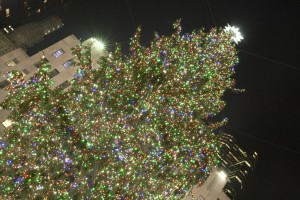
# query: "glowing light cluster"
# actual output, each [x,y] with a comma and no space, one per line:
[98,44]
[235,32]
[138,127]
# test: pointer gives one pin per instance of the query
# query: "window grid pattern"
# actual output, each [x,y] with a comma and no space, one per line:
[4,84]
[12,63]
[69,63]
[63,85]
[58,53]
[53,73]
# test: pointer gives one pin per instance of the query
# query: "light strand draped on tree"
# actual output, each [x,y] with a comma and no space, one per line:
[137,127]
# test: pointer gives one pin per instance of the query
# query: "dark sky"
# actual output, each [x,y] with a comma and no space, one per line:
[265,118]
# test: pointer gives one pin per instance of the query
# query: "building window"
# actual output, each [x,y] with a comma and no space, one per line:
[63,85]
[53,73]
[5,30]
[212,183]
[45,1]
[7,123]
[58,53]
[39,64]
[4,84]
[7,12]
[25,71]
[11,28]
[38,10]
[69,63]
[12,62]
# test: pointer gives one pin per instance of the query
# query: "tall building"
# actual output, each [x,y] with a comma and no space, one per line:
[27,35]
[227,178]
[5,44]
[211,189]
[60,57]
[236,162]
[14,12]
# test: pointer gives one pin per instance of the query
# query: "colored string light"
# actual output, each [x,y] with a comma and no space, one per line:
[137,127]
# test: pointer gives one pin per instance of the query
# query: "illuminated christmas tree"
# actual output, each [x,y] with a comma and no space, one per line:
[138,127]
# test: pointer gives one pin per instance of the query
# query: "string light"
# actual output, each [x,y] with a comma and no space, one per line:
[137,127]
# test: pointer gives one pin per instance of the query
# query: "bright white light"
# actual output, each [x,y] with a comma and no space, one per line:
[98,44]
[236,34]
[222,175]
[39,187]
[7,123]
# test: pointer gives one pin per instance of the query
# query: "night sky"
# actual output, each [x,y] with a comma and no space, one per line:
[265,118]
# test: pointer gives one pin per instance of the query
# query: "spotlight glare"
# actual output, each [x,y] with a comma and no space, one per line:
[222,174]
[98,44]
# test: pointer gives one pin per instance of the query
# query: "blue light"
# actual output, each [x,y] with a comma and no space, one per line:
[172,111]
[132,101]
[2,144]
[9,162]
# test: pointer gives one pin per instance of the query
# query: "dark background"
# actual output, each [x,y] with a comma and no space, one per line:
[265,118]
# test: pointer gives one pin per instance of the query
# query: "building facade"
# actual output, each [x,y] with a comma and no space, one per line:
[226,179]
[27,35]
[211,189]
[236,162]
[60,57]
[14,12]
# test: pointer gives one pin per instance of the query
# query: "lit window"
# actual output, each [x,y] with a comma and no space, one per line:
[45,1]
[5,30]
[25,71]
[68,64]
[58,53]
[7,12]
[38,10]
[12,62]
[53,73]
[4,84]
[7,123]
